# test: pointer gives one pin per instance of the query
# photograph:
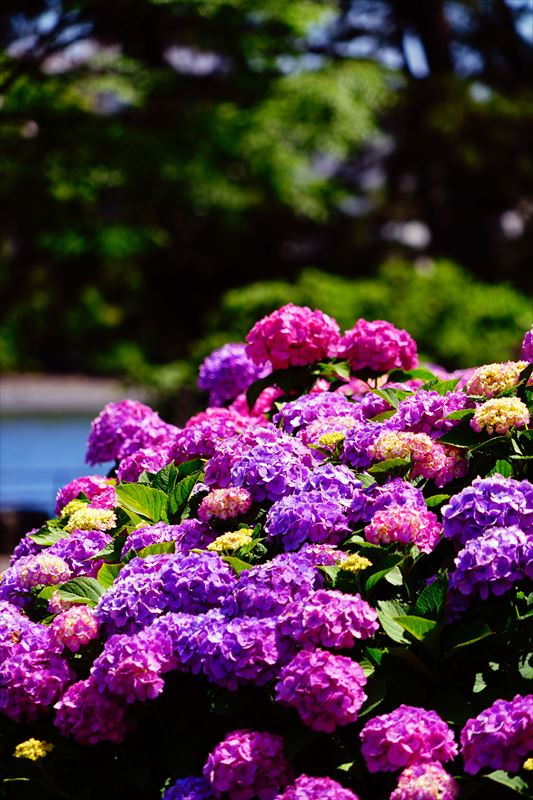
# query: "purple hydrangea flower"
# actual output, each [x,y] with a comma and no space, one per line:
[426,412]
[395,492]
[228,371]
[228,451]
[99,491]
[77,551]
[147,459]
[488,503]
[242,650]
[490,564]
[196,582]
[306,788]
[131,666]
[90,716]
[151,534]
[500,736]
[266,589]
[248,764]
[527,346]
[270,471]
[29,571]
[308,516]
[26,547]
[189,789]
[186,633]
[31,681]
[425,782]
[378,346]
[329,619]
[356,449]
[19,633]
[122,428]
[333,479]
[325,689]
[292,336]
[136,597]
[408,735]
[309,408]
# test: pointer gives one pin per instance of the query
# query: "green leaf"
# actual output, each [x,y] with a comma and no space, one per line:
[82,590]
[392,396]
[419,627]
[387,611]
[237,564]
[165,479]
[49,534]
[157,549]
[365,479]
[431,600]
[177,501]
[144,500]
[463,413]
[516,783]
[468,633]
[376,691]
[107,574]
[401,375]
[502,467]
[189,467]
[385,566]
[462,435]
[382,417]
[331,572]
[111,552]
[437,500]
[394,577]
[397,465]
[441,387]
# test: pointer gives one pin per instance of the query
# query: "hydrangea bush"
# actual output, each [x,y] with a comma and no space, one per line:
[318,589]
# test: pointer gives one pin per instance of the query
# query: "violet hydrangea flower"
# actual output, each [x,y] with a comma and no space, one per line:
[31,681]
[196,582]
[228,371]
[147,459]
[527,345]
[271,470]
[309,408]
[122,428]
[292,336]
[78,550]
[378,346]
[406,736]
[308,516]
[500,737]
[202,433]
[189,789]
[487,503]
[325,689]
[426,412]
[248,764]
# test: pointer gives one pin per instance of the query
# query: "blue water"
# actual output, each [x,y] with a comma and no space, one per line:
[38,455]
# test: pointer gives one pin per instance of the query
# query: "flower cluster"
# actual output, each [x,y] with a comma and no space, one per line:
[306,788]
[308,517]
[500,737]
[225,503]
[404,525]
[500,415]
[378,346]
[228,371]
[492,379]
[99,491]
[426,782]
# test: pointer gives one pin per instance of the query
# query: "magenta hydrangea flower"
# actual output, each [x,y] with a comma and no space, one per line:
[306,788]
[228,371]
[527,346]
[19,633]
[325,689]
[404,525]
[131,666]
[308,516]
[89,716]
[425,782]
[378,346]
[292,336]
[189,789]
[204,431]
[148,459]
[31,680]
[99,491]
[225,503]
[487,503]
[122,428]
[408,735]
[329,619]
[500,737]
[248,764]
[75,627]
[262,406]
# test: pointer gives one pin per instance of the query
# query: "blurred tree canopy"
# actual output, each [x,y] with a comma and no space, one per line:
[154,153]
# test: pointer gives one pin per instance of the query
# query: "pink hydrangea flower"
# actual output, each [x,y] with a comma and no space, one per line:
[293,336]
[426,782]
[404,525]
[75,627]
[378,346]
[225,503]
[500,415]
[99,491]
